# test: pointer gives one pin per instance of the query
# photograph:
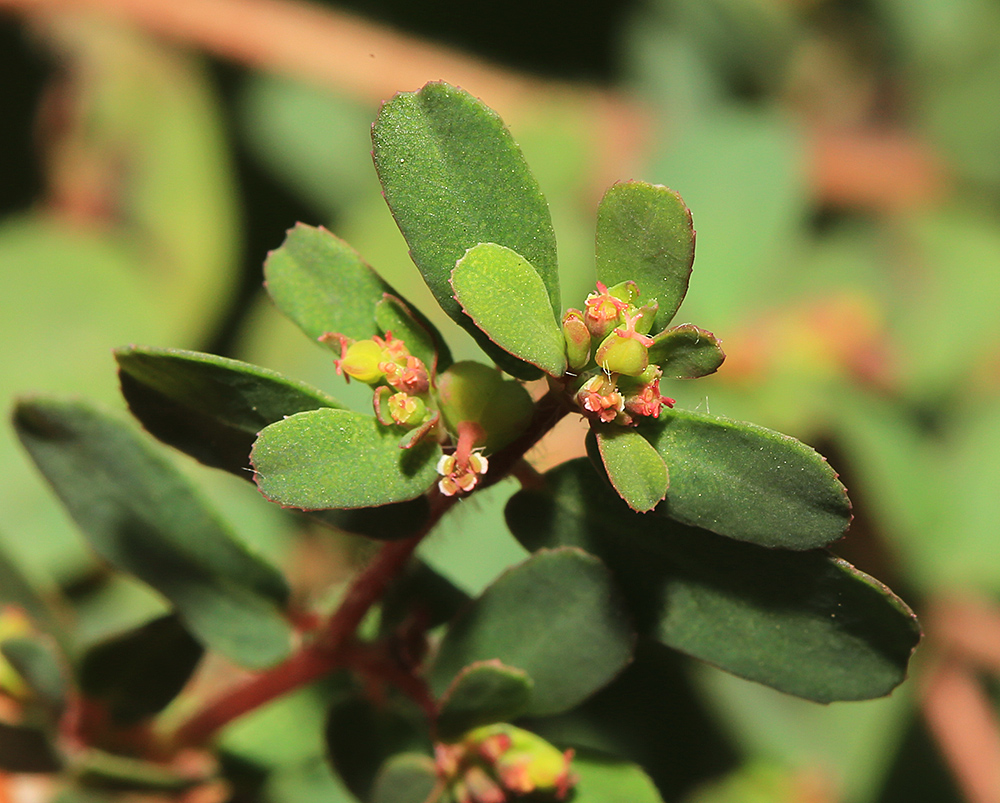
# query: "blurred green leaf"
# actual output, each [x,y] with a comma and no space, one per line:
[454,177]
[634,468]
[472,563]
[644,234]
[339,459]
[507,299]
[362,735]
[141,516]
[323,284]
[748,482]
[39,663]
[405,778]
[484,692]
[557,609]
[686,352]
[139,673]
[41,606]
[629,718]
[312,781]
[209,407]
[741,170]
[855,742]
[606,779]
[803,622]
[314,141]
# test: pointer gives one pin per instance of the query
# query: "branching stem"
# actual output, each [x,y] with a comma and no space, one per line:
[334,646]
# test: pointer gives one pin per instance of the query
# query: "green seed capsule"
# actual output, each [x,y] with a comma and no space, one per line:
[619,354]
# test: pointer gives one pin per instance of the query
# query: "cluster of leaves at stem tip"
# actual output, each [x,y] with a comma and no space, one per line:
[680,531]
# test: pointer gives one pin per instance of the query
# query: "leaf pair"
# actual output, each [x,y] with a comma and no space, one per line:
[730,477]
[803,622]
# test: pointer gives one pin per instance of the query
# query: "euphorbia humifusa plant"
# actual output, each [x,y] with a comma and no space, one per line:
[680,531]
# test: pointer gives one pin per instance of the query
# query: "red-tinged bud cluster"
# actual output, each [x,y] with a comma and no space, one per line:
[600,397]
[501,763]
[387,360]
[618,384]
[602,311]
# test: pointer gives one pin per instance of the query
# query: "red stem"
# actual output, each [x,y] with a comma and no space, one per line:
[333,647]
[324,654]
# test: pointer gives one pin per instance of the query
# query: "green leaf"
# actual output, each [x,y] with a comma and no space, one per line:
[748,482]
[644,233]
[323,284]
[627,718]
[506,298]
[137,674]
[339,459]
[420,591]
[43,606]
[386,523]
[405,778]
[362,735]
[606,779]
[686,352]
[557,609]
[483,693]
[422,339]
[40,664]
[141,516]
[635,468]
[454,177]
[805,623]
[209,407]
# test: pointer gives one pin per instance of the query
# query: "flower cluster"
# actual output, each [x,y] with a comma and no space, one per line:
[495,762]
[403,399]
[618,383]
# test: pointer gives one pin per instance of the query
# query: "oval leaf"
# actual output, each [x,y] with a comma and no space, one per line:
[207,406]
[326,458]
[324,285]
[483,693]
[405,778]
[686,352]
[137,674]
[362,735]
[635,468]
[454,177]
[748,482]
[42,667]
[606,779]
[805,623]
[644,233]
[501,291]
[141,516]
[557,609]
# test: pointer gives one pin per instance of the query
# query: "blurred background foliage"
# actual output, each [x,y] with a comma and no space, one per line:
[842,162]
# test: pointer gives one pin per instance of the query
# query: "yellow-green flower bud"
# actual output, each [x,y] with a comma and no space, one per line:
[577,339]
[409,411]
[361,361]
[620,354]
